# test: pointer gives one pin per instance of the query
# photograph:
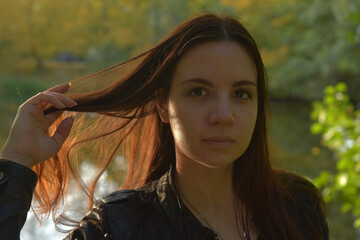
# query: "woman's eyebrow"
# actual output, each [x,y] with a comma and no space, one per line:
[208,83]
[198,80]
[244,82]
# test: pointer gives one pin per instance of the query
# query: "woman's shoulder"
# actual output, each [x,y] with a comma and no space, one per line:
[300,192]
[129,201]
[297,185]
[119,215]
[124,211]
[304,202]
[137,196]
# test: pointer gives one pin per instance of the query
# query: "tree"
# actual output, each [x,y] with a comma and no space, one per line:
[105,32]
[316,34]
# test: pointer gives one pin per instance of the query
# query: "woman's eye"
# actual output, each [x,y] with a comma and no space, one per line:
[242,94]
[198,92]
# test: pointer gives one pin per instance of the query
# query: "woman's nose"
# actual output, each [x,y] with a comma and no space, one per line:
[221,111]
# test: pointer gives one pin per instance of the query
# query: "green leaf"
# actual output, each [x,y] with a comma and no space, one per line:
[316,128]
[341,87]
[329,90]
[357,223]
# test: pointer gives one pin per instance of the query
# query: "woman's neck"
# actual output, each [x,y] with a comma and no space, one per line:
[208,193]
[206,187]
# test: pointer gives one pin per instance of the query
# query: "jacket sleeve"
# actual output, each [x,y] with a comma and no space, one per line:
[17,184]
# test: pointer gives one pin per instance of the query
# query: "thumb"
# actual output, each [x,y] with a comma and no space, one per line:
[63,131]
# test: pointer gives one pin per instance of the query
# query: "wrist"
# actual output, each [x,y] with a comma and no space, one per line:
[16,157]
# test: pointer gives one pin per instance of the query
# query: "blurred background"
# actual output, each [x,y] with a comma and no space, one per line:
[307,45]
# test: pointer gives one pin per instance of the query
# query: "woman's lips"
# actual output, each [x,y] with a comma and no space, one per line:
[219,141]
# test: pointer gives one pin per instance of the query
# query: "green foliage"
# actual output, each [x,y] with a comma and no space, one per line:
[322,44]
[103,33]
[339,123]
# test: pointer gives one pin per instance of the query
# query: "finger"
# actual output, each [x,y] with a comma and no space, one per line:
[45,98]
[49,99]
[63,131]
[34,105]
[66,101]
[62,88]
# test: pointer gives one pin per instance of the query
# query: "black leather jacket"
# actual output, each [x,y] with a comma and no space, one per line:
[152,212]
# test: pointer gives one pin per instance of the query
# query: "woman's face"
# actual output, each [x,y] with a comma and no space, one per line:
[212,103]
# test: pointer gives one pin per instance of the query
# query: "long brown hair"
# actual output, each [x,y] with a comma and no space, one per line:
[116,116]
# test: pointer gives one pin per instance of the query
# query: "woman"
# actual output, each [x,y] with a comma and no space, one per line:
[189,116]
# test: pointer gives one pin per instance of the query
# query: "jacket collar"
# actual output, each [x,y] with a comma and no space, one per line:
[178,214]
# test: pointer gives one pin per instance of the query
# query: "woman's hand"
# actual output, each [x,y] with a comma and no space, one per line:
[28,142]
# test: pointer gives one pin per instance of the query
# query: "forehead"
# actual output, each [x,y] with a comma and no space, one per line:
[226,59]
